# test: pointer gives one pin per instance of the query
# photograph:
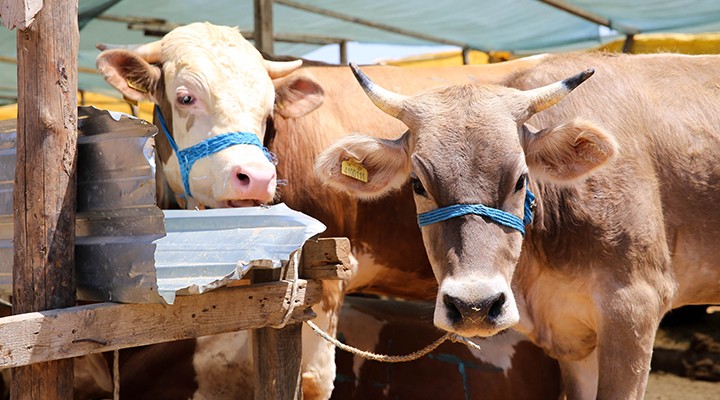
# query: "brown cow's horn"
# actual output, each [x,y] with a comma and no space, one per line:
[278,69]
[546,96]
[389,102]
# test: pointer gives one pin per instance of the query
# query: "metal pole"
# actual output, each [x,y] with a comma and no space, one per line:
[360,21]
[588,16]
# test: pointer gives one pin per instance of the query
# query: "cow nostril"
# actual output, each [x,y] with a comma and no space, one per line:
[453,313]
[496,307]
[244,179]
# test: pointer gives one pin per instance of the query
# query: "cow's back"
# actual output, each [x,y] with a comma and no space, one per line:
[663,111]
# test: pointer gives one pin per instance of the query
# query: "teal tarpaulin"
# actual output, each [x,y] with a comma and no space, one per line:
[522,26]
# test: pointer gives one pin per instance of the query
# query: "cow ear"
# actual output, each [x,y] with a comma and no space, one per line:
[568,152]
[129,73]
[364,166]
[297,96]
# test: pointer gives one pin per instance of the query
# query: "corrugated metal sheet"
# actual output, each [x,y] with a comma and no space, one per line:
[206,249]
[117,220]
[122,251]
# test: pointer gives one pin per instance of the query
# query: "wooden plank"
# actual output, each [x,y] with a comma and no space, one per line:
[264,26]
[19,13]
[277,353]
[71,332]
[326,258]
[44,198]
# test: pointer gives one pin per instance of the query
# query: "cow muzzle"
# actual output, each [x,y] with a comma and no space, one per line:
[475,308]
[249,184]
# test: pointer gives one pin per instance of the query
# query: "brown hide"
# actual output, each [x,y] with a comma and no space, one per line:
[450,372]
[386,228]
[626,176]
[662,109]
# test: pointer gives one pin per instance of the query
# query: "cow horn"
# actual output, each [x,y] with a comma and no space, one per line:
[389,102]
[150,52]
[546,96]
[278,69]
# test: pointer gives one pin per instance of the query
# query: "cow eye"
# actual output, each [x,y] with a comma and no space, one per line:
[521,182]
[186,100]
[417,186]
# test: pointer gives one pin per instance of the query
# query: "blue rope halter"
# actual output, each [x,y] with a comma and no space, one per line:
[498,216]
[187,157]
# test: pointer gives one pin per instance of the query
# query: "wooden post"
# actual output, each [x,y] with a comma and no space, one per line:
[44,198]
[628,44]
[264,26]
[277,353]
[466,55]
[343,52]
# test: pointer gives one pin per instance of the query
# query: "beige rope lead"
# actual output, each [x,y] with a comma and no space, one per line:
[391,359]
[295,262]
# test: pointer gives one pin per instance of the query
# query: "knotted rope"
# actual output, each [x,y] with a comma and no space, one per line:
[294,264]
[387,358]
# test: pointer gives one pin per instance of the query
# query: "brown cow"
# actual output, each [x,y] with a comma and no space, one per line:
[625,227]
[313,107]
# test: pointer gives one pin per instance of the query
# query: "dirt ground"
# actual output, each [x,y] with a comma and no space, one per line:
[688,346]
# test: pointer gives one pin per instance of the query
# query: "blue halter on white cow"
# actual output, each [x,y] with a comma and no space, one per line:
[498,216]
[188,157]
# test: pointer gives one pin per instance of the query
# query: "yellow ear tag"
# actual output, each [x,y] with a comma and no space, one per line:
[135,86]
[355,170]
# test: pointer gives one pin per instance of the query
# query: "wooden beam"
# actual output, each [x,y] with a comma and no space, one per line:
[161,27]
[45,181]
[264,26]
[326,258]
[19,13]
[85,70]
[75,331]
[588,16]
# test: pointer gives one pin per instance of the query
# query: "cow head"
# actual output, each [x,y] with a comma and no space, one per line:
[466,145]
[208,81]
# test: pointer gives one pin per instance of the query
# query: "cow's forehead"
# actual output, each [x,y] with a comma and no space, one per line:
[206,47]
[467,141]
[468,121]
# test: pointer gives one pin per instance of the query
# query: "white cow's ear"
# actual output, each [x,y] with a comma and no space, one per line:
[364,166]
[129,73]
[568,152]
[297,96]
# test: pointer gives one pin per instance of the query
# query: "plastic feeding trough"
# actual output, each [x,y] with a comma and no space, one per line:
[130,251]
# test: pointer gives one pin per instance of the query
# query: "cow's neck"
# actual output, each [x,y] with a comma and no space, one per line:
[392,260]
